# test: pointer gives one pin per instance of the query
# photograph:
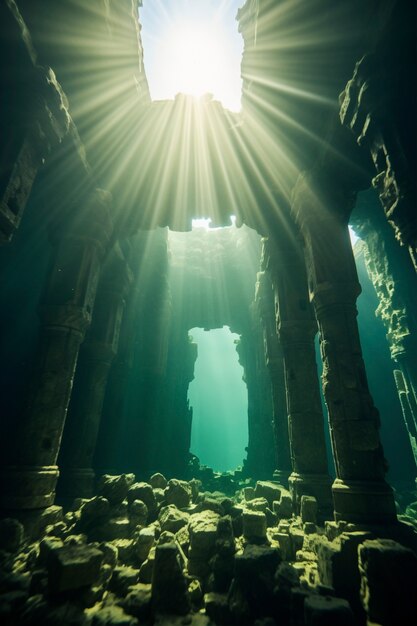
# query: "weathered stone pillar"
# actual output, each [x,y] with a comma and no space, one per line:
[114,419]
[275,365]
[96,356]
[260,459]
[66,313]
[360,492]
[297,329]
[407,410]
[394,280]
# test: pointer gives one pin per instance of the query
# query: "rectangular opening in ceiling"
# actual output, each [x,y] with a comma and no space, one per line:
[193,47]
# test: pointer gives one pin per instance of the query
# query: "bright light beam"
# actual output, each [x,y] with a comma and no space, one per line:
[196,58]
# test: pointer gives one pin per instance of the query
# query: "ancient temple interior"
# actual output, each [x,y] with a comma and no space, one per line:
[137,230]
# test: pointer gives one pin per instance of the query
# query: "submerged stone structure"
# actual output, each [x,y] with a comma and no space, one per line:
[106,516]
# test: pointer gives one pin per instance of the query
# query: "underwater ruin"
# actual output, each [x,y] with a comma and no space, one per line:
[208,386]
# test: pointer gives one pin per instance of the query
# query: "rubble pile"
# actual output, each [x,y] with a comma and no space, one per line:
[169,552]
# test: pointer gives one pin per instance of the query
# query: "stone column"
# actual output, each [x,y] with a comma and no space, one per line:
[66,313]
[96,356]
[275,365]
[260,459]
[114,418]
[297,329]
[394,280]
[407,410]
[360,492]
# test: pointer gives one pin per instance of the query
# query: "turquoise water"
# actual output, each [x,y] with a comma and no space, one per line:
[219,399]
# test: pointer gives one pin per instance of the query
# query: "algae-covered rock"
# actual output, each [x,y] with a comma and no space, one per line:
[178,492]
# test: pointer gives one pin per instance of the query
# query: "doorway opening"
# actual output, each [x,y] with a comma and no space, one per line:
[219,399]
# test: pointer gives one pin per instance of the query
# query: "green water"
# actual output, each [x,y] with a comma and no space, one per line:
[219,399]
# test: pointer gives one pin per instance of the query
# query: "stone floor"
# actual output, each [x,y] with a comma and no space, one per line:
[223,552]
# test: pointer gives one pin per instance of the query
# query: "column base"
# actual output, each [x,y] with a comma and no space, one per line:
[28,487]
[363,502]
[317,485]
[281,476]
[76,483]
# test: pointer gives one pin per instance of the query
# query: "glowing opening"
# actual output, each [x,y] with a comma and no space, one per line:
[219,399]
[353,236]
[204,223]
[193,47]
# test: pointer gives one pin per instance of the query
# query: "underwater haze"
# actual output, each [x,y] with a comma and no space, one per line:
[219,399]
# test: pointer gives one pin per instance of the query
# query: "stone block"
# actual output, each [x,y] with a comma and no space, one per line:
[110,553]
[217,608]
[195,594]
[297,539]
[169,587]
[142,491]
[125,549]
[144,542]
[158,481]
[178,492]
[268,490]
[388,574]
[308,509]
[203,534]
[254,526]
[113,529]
[138,602]
[338,565]
[46,546]
[212,504]
[11,534]
[115,488]
[138,513]
[327,611]
[285,509]
[73,567]
[113,616]
[123,578]
[256,561]
[172,519]
[51,515]
[93,513]
[284,542]
[257,504]
[248,493]
[255,578]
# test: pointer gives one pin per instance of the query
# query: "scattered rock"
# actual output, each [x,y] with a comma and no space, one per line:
[254,526]
[268,490]
[217,607]
[115,488]
[144,492]
[145,541]
[73,567]
[11,534]
[113,616]
[172,519]
[138,602]
[178,492]
[308,509]
[388,582]
[123,578]
[158,481]
[169,587]
[138,513]
[323,610]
